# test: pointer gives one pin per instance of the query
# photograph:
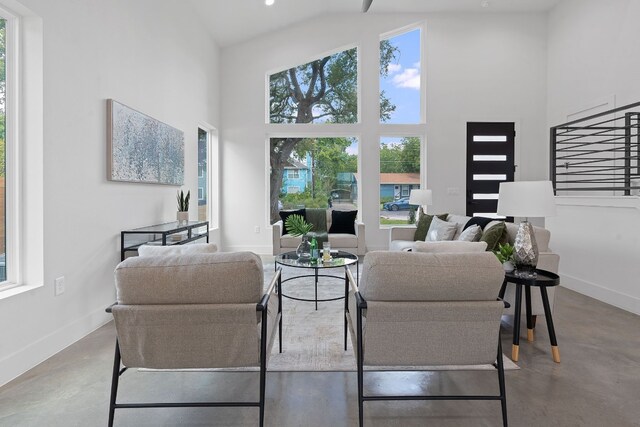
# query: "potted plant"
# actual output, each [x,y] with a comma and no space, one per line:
[297,226]
[183,206]
[505,256]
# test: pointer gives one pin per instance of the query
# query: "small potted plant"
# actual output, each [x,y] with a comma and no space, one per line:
[297,226]
[183,206]
[505,256]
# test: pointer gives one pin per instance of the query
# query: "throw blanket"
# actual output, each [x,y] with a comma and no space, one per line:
[318,218]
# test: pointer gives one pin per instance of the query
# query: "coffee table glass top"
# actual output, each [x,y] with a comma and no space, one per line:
[339,259]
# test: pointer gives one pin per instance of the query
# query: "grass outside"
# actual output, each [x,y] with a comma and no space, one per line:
[387,221]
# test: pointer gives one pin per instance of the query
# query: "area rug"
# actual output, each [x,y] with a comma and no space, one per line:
[313,340]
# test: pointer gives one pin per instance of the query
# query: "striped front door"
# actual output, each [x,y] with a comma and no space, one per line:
[490,161]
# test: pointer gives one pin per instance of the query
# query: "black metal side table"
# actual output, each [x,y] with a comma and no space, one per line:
[542,279]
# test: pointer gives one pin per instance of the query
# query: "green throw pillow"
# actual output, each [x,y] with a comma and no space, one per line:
[424,222]
[493,235]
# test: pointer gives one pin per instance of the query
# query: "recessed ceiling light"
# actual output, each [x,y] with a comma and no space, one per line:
[269,2]
[484,3]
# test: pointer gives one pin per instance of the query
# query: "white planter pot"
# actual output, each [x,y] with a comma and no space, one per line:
[508,266]
[182,216]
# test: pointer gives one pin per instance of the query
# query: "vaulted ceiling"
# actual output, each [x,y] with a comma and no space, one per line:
[235,21]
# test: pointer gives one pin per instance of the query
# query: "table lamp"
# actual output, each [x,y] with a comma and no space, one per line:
[526,199]
[421,198]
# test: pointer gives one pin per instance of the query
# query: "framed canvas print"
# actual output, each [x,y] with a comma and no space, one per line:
[141,148]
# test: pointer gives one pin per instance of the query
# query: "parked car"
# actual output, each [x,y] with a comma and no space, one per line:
[400,204]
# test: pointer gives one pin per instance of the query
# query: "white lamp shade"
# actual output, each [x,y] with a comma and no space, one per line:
[420,197]
[526,199]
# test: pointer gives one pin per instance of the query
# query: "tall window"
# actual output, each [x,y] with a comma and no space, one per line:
[400,79]
[203,175]
[326,175]
[399,174]
[3,151]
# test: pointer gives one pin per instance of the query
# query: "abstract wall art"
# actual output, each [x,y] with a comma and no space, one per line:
[141,148]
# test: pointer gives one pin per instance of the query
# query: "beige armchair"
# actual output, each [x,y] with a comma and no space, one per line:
[194,311]
[414,310]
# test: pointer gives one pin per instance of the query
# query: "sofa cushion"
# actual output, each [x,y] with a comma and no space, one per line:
[194,248]
[441,230]
[289,241]
[493,235]
[343,240]
[286,214]
[423,224]
[454,246]
[471,234]
[343,222]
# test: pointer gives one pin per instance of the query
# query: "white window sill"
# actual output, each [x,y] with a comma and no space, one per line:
[10,289]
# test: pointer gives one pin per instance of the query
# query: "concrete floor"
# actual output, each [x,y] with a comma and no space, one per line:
[597,384]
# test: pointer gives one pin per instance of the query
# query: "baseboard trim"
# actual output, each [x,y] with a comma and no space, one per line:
[20,361]
[601,293]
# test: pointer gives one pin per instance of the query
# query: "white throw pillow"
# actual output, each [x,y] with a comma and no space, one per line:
[193,248]
[455,246]
[441,230]
[471,234]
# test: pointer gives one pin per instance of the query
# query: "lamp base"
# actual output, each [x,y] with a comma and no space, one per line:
[525,253]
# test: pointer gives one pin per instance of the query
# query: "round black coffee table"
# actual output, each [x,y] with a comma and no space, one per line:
[340,259]
[542,279]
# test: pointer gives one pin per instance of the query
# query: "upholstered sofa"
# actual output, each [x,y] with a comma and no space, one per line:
[353,243]
[402,239]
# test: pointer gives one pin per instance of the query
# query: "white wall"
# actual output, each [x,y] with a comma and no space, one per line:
[155,57]
[480,67]
[594,58]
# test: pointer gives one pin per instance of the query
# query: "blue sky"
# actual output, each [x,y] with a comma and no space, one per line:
[402,84]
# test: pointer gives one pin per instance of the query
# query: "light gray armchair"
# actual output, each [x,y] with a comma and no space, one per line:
[194,311]
[423,309]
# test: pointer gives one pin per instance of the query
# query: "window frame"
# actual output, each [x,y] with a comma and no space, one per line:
[211,174]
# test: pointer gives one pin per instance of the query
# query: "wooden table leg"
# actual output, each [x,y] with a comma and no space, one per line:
[527,295]
[555,352]
[515,348]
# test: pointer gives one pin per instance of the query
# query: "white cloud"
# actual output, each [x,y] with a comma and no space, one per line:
[416,65]
[409,78]
[393,68]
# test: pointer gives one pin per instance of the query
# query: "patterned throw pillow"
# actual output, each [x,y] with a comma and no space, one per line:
[441,230]
[424,222]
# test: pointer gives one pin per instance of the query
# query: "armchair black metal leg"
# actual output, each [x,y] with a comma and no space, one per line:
[503,395]
[280,312]
[263,364]
[360,361]
[346,305]
[115,377]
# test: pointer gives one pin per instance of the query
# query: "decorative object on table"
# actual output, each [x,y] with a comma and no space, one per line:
[183,206]
[526,199]
[422,198]
[297,226]
[141,148]
[314,250]
[326,251]
[504,253]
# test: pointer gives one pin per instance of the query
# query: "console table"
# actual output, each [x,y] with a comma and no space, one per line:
[170,233]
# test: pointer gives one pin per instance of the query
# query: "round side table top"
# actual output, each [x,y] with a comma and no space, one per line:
[542,278]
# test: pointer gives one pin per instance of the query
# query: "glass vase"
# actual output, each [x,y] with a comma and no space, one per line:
[304,249]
